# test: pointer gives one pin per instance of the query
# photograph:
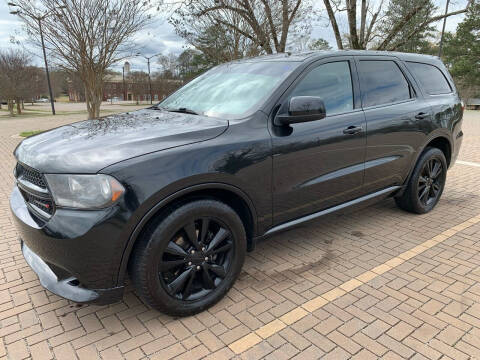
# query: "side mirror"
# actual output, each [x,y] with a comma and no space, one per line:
[302,109]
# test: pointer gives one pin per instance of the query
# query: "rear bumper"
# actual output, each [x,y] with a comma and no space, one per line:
[76,254]
[456,147]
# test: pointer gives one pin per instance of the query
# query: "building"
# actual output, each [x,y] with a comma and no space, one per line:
[129,86]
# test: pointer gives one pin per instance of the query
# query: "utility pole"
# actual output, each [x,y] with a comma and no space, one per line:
[149,81]
[39,19]
[46,66]
[440,48]
[124,90]
[149,78]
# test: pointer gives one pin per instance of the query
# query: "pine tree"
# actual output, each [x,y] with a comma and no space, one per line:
[396,11]
[462,52]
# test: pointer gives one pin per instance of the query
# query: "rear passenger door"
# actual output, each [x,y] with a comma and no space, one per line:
[395,114]
[439,92]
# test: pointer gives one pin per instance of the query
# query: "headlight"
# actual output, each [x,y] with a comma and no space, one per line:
[84,191]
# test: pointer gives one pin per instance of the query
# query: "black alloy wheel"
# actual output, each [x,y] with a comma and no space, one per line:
[425,186]
[189,257]
[430,181]
[196,259]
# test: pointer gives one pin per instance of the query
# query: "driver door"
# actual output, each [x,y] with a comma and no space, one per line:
[320,164]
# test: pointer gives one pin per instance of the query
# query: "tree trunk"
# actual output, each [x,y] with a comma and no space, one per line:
[10,107]
[19,106]
[363,23]
[333,21]
[352,23]
[93,98]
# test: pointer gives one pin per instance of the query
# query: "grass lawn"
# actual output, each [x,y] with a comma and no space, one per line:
[64,99]
[30,133]
[135,104]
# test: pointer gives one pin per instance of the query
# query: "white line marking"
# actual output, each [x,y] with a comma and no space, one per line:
[468,163]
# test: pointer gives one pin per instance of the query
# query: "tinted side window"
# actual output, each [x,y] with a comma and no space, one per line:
[430,77]
[382,82]
[332,82]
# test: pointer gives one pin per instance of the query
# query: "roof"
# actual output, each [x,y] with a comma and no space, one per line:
[318,54]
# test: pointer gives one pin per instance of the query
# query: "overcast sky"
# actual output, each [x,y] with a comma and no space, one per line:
[160,37]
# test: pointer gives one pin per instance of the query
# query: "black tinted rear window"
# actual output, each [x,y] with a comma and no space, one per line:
[430,77]
[382,82]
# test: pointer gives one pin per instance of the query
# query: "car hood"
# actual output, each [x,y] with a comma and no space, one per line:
[91,145]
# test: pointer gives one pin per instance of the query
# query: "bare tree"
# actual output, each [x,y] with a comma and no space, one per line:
[37,85]
[266,23]
[15,78]
[164,86]
[364,20]
[169,64]
[207,33]
[86,37]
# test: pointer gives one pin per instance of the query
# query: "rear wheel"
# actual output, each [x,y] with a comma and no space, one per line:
[426,184]
[186,262]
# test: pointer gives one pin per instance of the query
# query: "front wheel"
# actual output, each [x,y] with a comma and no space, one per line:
[426,184]
[188,261]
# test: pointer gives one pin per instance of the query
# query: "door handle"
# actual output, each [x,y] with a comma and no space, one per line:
[352,130]
[421,115]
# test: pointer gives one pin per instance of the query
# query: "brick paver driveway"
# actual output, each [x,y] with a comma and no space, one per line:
[375,283]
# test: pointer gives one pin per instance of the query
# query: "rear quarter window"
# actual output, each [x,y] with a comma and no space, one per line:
[430,77]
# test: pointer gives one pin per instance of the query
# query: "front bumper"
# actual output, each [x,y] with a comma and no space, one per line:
[76,254]
[68,288]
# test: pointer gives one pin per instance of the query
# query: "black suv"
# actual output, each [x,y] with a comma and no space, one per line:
[177,193]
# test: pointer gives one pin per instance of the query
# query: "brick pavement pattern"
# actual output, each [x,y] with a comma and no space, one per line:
[376,283]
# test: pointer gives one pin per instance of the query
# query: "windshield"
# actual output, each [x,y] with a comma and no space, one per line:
[230,91]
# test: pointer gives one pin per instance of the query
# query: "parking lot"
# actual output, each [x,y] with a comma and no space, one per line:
[376,283]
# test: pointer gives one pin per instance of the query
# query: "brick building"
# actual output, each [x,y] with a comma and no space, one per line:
[129,86]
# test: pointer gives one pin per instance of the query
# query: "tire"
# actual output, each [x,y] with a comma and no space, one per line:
[425,186]
[180,276]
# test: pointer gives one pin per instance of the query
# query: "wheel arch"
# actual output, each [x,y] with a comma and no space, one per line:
[442,143]
[229,194]
[438,140]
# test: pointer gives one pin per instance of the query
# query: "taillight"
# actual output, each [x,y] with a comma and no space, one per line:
[463,105]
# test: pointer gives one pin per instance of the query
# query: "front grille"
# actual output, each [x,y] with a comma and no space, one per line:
[45,205]
[34,190]
[30,175]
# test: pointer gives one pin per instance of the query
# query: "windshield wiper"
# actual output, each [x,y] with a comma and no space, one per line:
[179,110]
[183,110]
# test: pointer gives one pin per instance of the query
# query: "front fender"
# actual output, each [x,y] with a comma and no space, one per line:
[165,201]
[239,161]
